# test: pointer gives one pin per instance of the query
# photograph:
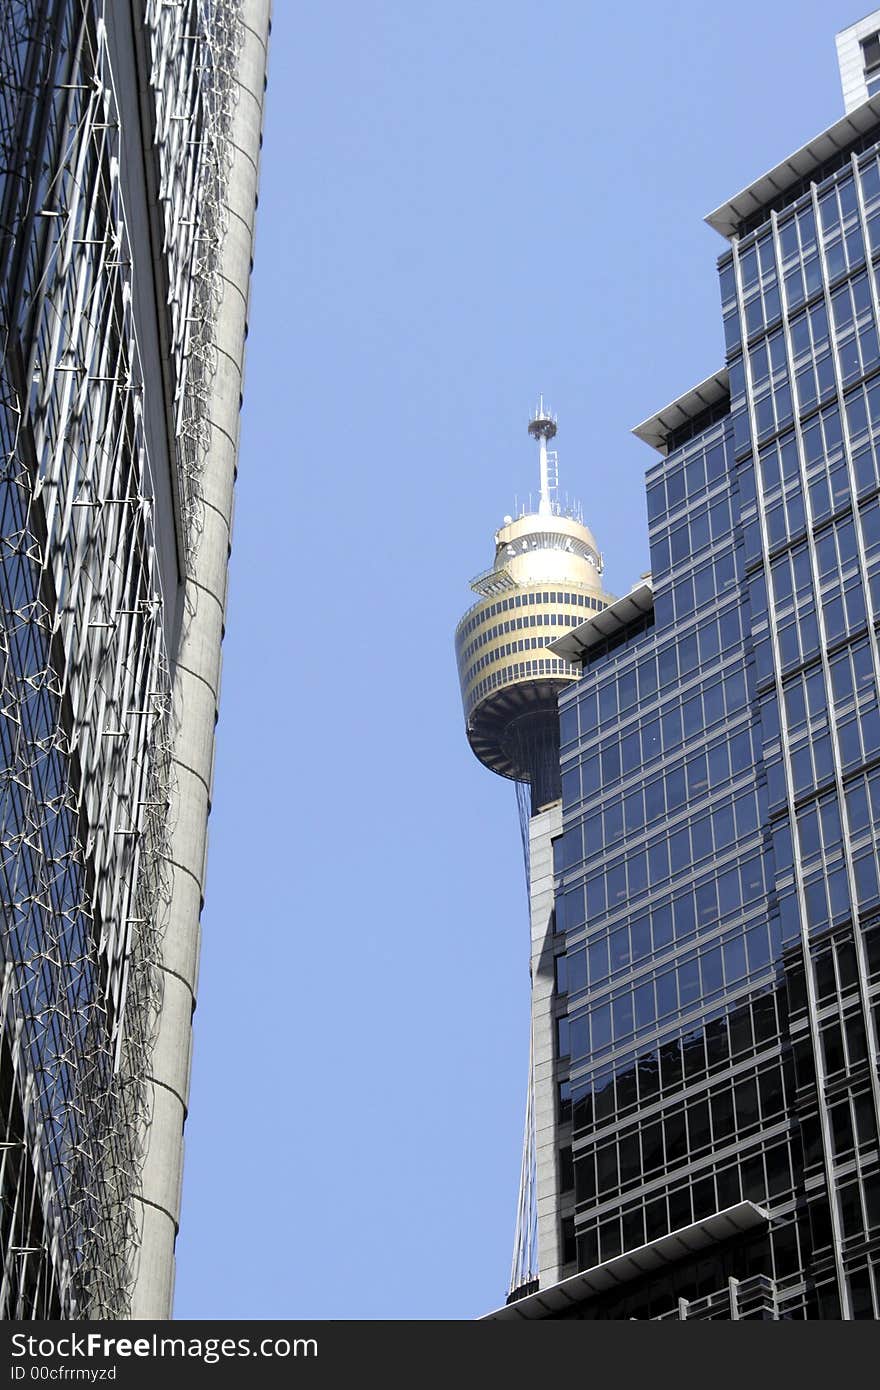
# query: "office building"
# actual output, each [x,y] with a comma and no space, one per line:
[709,1138]
[129,150]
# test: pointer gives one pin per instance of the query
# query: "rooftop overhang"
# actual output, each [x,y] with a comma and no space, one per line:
[608,623]
[806,161]
[626,1269]
[657,428]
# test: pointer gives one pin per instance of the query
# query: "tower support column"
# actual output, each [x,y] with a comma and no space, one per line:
[196,696]
[543,829]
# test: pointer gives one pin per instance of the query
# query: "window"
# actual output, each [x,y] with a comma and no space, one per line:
[566,1170]
[569,1249]
[871,52]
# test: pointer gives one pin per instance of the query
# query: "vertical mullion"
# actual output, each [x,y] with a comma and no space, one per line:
[812,1009]
[858,943]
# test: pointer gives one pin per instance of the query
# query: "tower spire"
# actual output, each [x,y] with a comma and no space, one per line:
[542,427]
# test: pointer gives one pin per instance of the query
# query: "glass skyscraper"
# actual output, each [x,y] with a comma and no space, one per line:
[716,942]
[129,157]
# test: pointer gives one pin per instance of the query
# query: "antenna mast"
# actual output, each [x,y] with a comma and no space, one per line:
[542,427]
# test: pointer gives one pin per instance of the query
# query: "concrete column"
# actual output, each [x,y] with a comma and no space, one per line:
[543,829]
[196,694]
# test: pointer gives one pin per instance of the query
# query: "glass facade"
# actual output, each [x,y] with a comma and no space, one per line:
[117,187]
[717,899]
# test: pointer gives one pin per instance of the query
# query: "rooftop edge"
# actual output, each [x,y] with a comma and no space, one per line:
[625,1269]
[727,218]
[656,429]
[608,622]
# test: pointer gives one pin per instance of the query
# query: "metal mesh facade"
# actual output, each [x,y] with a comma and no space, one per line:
[90,612]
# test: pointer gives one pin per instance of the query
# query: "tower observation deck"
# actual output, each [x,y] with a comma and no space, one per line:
[545,580]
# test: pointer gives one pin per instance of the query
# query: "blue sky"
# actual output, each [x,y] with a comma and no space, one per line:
[462,204]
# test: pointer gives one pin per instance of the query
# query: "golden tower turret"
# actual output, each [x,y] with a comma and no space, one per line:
[545,580]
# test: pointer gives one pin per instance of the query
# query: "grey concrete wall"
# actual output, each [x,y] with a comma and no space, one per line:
[196,695]
[850,59]
[543,828]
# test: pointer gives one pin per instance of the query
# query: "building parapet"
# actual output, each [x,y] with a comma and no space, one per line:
[805,164]
[634,1264]
[612,620]
[709,395]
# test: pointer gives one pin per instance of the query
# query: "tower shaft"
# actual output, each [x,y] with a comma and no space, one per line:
[545,580]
